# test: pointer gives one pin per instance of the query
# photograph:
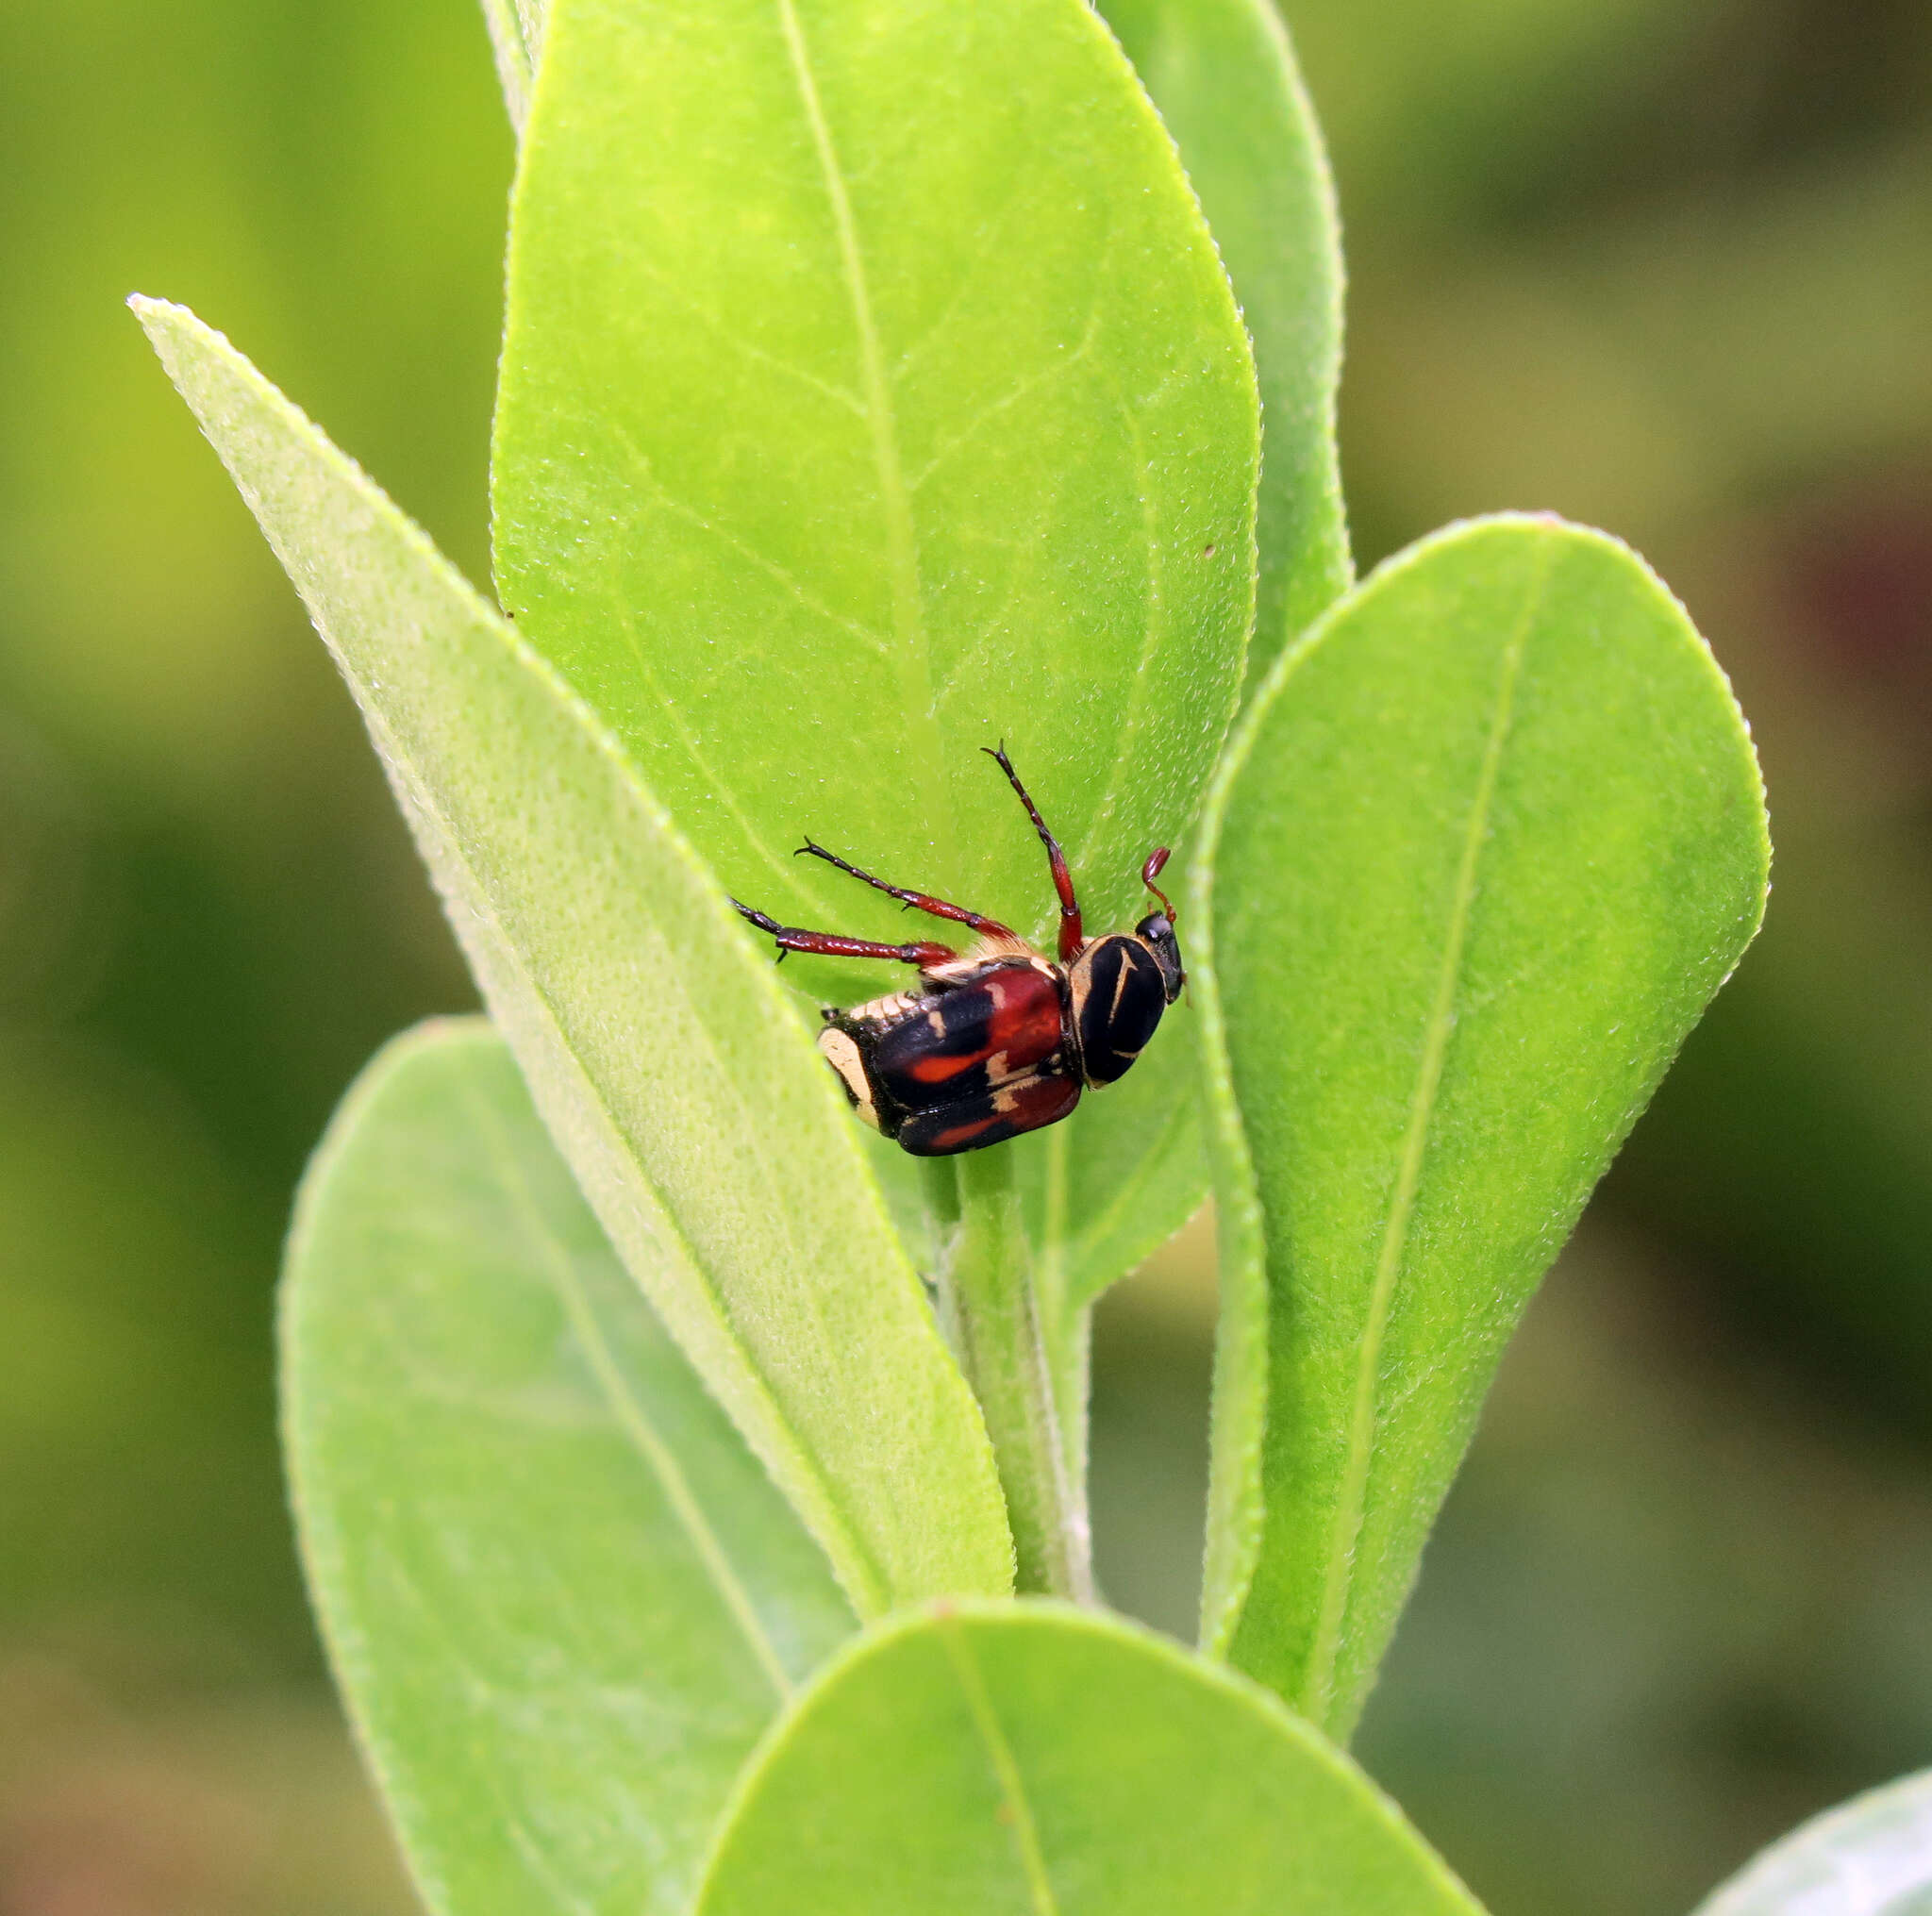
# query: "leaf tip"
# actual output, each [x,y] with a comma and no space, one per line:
[165,321]
[151,312]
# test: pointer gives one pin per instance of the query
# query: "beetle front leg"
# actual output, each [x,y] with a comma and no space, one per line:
[832,944]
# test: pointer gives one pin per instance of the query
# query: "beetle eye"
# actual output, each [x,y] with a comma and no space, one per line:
[1157,933]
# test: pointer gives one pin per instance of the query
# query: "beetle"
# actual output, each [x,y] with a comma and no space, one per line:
[996,1039]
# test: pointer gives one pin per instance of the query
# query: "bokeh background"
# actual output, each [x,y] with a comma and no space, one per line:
[1665,265]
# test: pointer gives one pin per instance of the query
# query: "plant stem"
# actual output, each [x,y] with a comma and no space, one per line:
[994,1318]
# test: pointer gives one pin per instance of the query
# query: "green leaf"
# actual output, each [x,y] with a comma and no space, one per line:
[1225,78]
[563,1598]
[871,393]
[668,1065]
[1489,841]
[1870,1857]
[1045,1762]
[1108,1187]
[516,31]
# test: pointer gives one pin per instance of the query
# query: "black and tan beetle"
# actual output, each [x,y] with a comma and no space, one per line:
[996,1039]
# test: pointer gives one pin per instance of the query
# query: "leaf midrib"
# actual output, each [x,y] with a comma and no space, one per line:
[1344,1534]
[911,656]
[1012,1788]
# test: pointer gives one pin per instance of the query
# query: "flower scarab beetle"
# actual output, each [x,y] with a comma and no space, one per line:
[996,1039]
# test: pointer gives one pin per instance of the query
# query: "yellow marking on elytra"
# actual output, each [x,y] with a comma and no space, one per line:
[841,1053]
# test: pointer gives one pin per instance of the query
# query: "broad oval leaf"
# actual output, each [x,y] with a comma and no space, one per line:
[563,1598]
[1870,1857]
[1488,844]
[668,1065]
[1046,1761]
[1101,1196]
[1223,76]
[871,393]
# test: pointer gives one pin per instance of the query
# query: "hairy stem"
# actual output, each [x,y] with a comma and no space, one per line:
[994,1319]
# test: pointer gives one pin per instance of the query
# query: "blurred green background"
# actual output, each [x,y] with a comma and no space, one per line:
[1665,267]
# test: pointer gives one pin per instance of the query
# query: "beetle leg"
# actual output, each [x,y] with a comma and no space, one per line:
[831,944]
[913,901]
[1071,938]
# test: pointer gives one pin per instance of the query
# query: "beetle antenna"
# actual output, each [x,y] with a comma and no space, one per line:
[1157,862]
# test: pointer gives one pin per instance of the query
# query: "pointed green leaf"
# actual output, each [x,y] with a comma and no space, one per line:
[562,1599]
[871,393]
[1225,77]
[1490,839]
[1870,1857]
[1045,1762]
[515,30]
[671,1068]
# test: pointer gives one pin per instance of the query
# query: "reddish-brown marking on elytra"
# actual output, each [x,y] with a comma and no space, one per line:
[998,1025]
[957,1137]
[1040,1101]
[938,1069]
[1026,1021]
[987,1117]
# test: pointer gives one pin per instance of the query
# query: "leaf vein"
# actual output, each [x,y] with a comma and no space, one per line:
[720,330]
[991,240]
[785,869]
[743,548]
[992,410]
[631,1416]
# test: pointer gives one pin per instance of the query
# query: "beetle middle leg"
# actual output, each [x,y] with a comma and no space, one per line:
[913,901]
[833,944]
